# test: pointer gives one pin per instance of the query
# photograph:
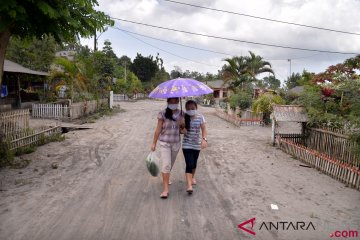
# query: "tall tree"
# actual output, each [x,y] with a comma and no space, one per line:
[271,82]
[37,54]
[108,50]
[293,81]
[241,71]
[176,72]
[236,69]
[64,19]
[256,65]
[124,61]
[144,68]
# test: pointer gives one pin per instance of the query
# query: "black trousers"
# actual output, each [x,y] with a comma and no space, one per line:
[191,157]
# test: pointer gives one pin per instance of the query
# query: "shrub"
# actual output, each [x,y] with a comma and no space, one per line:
[240,99]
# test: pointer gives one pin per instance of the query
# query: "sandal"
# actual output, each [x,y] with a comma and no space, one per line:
[164,195]
[189,191]
[193,181]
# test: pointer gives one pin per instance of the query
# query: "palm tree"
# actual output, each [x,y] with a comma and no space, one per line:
[237,69]
[244,69]
[256,65]
[72,75]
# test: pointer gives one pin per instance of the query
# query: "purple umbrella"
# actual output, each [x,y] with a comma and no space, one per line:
[180,87]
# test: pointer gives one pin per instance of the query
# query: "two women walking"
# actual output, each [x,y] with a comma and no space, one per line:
[171,123]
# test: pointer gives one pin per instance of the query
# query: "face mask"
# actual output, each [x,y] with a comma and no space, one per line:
[191,112]
[173,106]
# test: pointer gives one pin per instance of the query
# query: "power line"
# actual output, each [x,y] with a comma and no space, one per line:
[232,39]
[170,52]
[206,50]
[263,18]
[179,44]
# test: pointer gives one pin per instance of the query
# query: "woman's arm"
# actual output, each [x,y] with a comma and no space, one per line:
[203,135]
[157,134]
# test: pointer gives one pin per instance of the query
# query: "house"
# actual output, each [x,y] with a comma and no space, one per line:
[221,89]
[259,91]
[67,54]
[296,90]
[20,85]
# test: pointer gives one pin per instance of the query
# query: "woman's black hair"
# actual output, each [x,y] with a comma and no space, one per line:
[168,112]
[187,116]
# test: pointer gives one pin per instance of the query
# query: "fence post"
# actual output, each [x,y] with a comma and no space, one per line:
[273,131]
[111,99]
[70,109]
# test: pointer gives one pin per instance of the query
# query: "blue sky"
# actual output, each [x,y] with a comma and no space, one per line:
[336,14]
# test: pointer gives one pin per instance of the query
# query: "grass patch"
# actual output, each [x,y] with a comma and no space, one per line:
[7,155]
[25,150]
[20,163]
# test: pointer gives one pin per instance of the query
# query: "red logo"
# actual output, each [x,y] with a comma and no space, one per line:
[241,226]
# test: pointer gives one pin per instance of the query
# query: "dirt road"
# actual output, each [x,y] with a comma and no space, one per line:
[101,188]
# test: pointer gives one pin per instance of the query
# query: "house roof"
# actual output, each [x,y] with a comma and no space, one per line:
[10,66]
[290,113]
[297,89]
[217,84]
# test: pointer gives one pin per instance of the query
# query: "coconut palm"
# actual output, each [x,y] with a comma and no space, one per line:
[244,69]
[237,69]
[256,65]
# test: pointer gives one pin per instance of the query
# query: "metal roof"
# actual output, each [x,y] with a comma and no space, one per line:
[290,113]
[217,84]
[297,90]
[10,66]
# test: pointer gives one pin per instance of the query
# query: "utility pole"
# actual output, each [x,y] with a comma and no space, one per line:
[96,38]
[95,41]
[125,70]
[289,60]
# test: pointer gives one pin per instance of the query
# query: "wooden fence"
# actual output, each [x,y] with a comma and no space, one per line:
[233,118]
[120,97]
[50,110]
[348,173]
[337,145]
[75,110]
[14,121]
[139,95]
[294,137]
[31,137]
[251,118]
[87,107]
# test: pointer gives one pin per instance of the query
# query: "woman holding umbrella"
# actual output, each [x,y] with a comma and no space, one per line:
[170,119]
[168,132]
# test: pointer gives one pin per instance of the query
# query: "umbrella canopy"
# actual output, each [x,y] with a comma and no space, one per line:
[180,87]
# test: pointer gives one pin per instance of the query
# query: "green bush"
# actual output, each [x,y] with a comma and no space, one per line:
[243,100]
[6,156]
[264,103]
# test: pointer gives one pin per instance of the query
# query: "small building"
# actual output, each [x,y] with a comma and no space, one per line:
[20,85]
[288,121]
[67,54]
[296,90]
[259,91]
[221,89]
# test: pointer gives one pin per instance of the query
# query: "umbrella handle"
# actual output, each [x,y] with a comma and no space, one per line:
[180,105]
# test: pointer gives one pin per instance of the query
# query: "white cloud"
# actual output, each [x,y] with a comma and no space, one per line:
[335,14]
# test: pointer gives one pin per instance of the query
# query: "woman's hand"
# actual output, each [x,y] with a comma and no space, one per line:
[203,144]
[183,130]
[153,147]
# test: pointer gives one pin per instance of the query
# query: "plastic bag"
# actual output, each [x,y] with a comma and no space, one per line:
[152,164]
